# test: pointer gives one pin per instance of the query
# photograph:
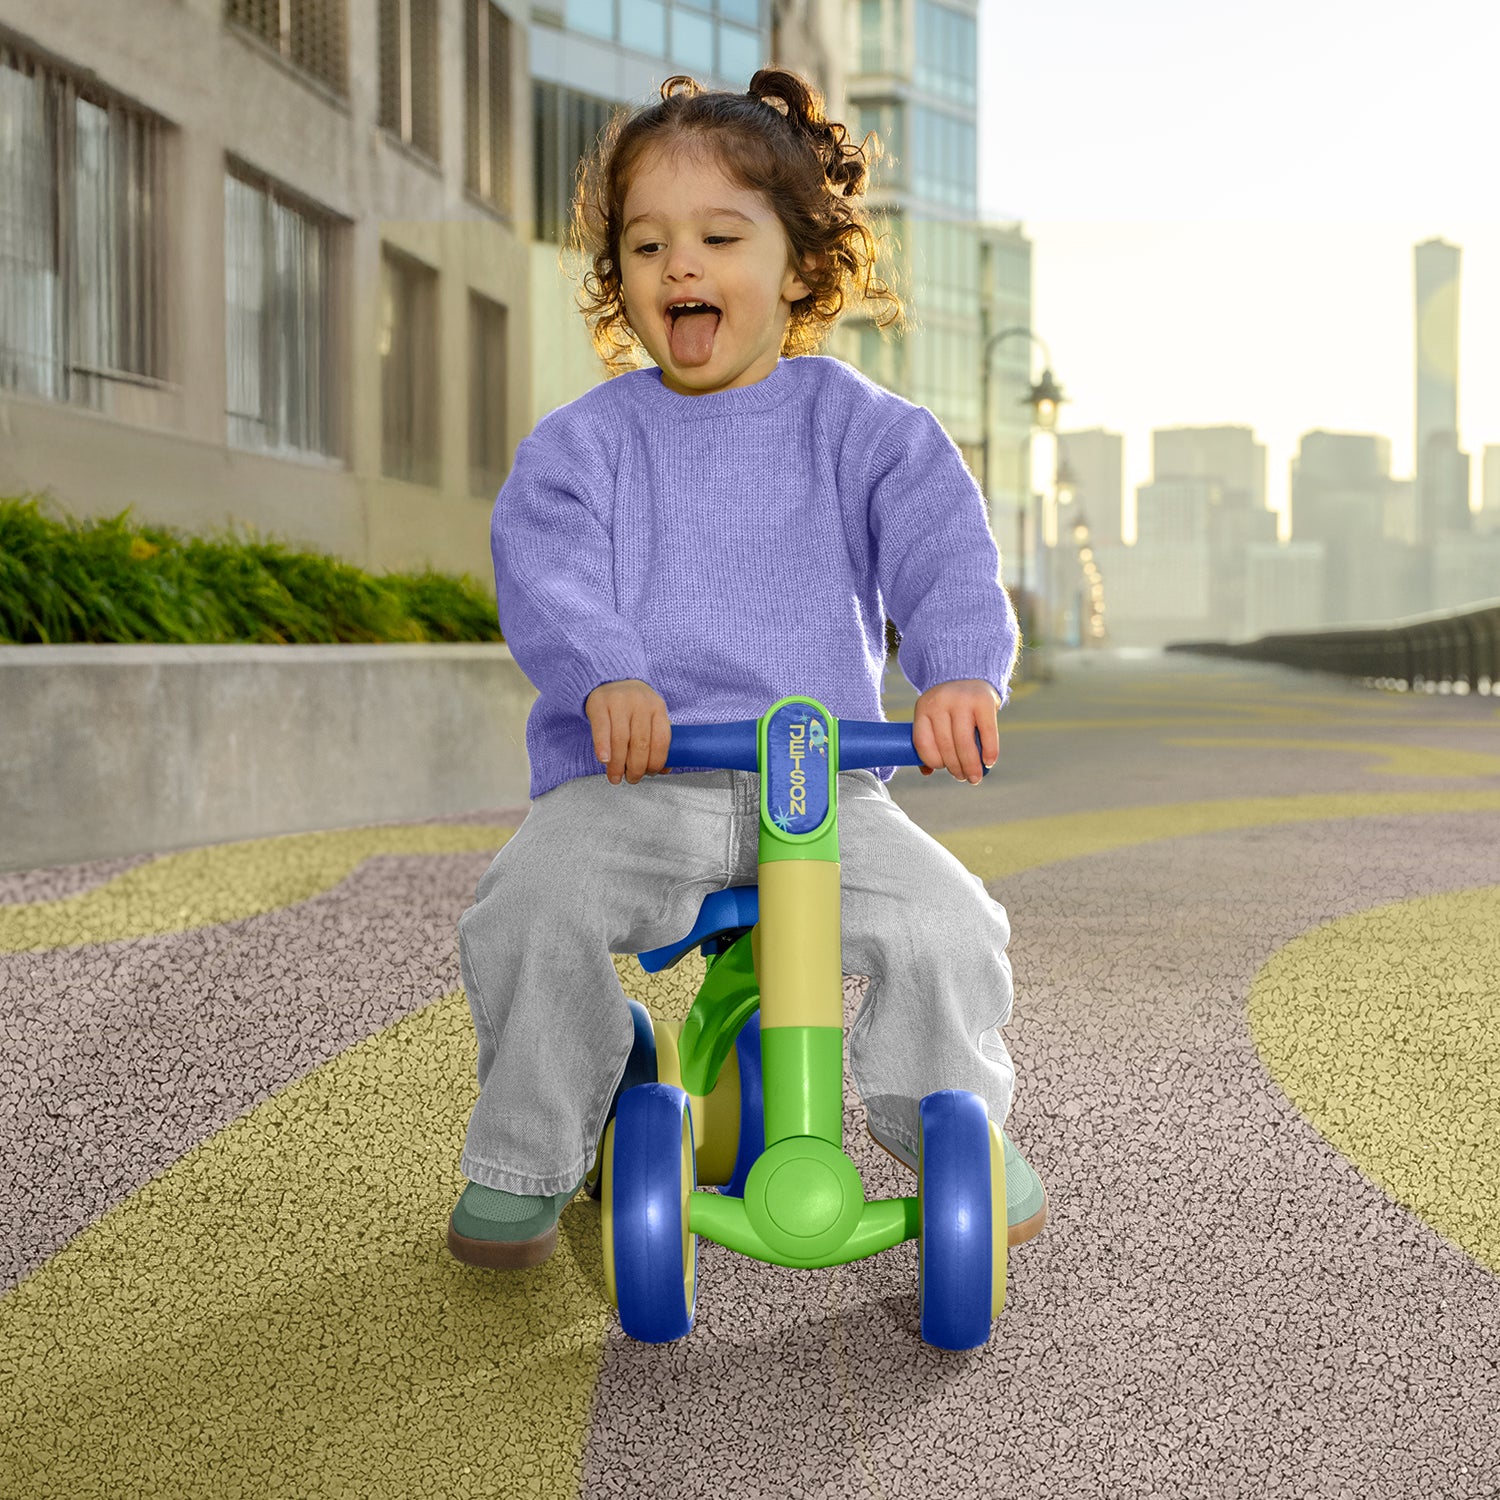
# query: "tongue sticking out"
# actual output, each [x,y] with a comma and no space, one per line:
[692,336]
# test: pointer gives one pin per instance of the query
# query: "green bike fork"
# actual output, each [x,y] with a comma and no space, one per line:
[804,1202]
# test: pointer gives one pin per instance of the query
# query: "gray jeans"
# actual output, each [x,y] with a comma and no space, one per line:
[596,869]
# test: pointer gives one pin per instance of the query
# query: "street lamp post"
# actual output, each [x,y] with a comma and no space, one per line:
[1063,490]
[1044,399]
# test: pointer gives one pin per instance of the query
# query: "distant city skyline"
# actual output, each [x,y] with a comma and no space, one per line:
[1224,211]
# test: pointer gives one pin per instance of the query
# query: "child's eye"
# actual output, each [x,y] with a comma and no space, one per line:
[651,244]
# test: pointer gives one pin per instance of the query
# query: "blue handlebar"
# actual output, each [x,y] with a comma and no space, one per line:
[863,744]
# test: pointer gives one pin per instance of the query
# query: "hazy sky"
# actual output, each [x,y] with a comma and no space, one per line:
[1223,201]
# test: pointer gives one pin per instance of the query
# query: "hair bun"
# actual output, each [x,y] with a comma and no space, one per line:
[804,113]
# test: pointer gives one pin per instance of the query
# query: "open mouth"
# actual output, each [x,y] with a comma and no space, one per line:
[692,328]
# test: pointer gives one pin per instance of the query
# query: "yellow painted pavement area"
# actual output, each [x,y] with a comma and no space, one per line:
[226,883]
[280,1300]
[1385,760]
[1395,1057]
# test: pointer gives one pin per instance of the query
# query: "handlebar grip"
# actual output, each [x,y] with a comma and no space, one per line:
[726,747]
[863,745]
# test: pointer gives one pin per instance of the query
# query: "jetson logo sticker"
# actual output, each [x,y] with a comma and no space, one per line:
[797,768]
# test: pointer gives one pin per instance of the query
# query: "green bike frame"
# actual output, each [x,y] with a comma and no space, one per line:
[804,1202]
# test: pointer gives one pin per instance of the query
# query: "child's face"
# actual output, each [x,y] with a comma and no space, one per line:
[680,248]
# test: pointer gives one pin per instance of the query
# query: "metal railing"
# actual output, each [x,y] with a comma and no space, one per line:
[1424,653]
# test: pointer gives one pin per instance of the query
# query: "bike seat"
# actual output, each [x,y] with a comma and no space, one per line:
[726,915]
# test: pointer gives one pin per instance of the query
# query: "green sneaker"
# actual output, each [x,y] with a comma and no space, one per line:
[504,1231]
[1025,1197]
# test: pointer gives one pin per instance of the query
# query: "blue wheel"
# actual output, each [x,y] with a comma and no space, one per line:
[752,1142]
[641,1068]
[961,1256]
[650,1256]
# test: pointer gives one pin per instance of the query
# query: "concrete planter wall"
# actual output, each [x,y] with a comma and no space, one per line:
[120,750]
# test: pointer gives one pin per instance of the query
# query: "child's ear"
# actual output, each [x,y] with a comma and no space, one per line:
[810,262]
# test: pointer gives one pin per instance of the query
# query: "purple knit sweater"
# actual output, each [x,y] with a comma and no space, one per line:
[735,548]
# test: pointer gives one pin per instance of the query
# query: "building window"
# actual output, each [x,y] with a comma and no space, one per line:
[944,158]
[591,17]
[409,73]
[882,37]
[408,369]
[643,26]
[947,53]
[565,124]
[886,119]
[281,324]
[739,55]
[309,34]
[487,45]
[81,224]
[692,46]
[489,459]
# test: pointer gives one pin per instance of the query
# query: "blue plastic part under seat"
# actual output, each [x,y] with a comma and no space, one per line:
[725,913]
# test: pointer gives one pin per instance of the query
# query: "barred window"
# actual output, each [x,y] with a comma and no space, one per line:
[281,322]
[947,52]
[409,102]
[487,45]
[309,34]
[408,368]
[81,225]
[882,39]
[488,460]
[564,126]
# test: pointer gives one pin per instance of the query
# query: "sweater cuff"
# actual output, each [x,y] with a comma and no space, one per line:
[577,684]
[955,661]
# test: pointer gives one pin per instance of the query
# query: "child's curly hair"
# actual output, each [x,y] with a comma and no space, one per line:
[803,165]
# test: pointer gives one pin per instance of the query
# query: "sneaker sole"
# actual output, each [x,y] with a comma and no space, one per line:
[501,1255]
[1015,1234]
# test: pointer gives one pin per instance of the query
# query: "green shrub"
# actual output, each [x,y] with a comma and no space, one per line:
[107,581]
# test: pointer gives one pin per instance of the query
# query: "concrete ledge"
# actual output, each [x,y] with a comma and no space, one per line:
[121,750]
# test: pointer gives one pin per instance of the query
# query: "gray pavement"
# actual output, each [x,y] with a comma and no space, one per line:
[1253,923]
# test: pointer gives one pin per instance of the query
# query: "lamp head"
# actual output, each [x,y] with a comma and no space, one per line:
[1044,399]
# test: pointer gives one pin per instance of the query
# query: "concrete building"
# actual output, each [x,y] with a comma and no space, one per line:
[1232,459]
[1175,511]
[1096,459]
[1488,518]
[287,284]
[312,274]
[1465,570]
[1442,468]
[1400,515]
[912,78]
[1233,531]
[1005,302]
[1283,588]
[1343,497]
[1156,593]
[1229,455]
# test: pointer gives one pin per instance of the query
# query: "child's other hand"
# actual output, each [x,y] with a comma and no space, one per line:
[632,730]
[943,726]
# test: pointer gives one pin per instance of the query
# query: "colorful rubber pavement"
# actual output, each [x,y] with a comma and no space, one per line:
[1256,939]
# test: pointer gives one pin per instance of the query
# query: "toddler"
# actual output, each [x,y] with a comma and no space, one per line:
[687,544]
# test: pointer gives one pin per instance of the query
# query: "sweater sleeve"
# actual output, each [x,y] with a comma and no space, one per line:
[936,561]
[554,572]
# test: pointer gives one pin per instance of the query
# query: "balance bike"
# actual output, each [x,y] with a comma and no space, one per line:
[748,1093]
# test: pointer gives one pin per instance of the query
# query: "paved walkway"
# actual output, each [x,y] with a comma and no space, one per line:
[1254,924]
